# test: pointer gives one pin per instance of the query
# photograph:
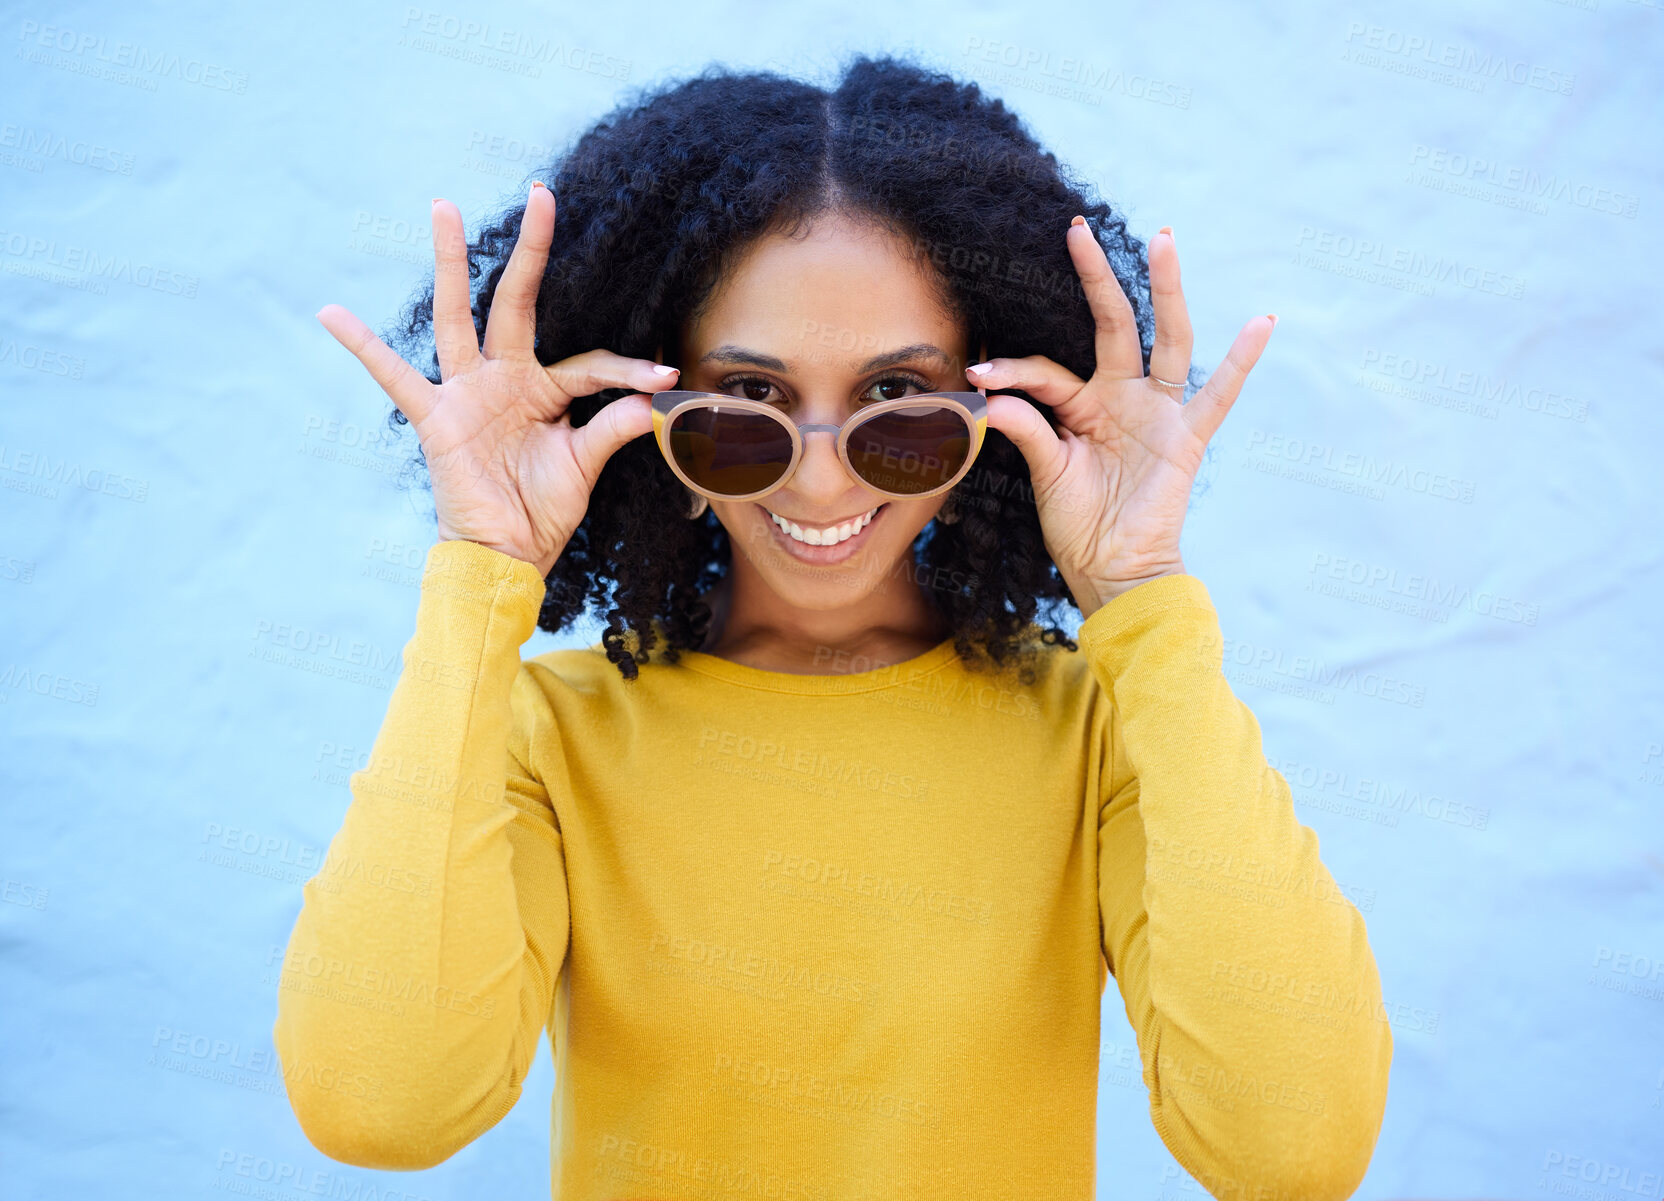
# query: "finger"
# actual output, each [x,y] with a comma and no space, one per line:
[624,420]
[511,327]
[454,339]
[408,388]
[587,373]
[1208,407]
[1115,339]
[1050,383]
[1041,448]
[1170,353]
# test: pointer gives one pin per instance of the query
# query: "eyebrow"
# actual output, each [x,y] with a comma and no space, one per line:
[729,353]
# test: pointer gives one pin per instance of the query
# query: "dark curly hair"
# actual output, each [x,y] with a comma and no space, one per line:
[660,195]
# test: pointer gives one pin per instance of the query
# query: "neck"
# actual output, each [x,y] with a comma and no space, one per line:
[754,625]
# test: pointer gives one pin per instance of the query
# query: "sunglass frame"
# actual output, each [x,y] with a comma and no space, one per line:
[672,403]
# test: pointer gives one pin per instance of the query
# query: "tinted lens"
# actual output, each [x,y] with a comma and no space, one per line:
[910,450]
[734,452]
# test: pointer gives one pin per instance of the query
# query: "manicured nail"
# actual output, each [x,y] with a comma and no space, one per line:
[1166,229]
[1077,220]
[978,368]
[1273,317]
[661,369]
[538,183]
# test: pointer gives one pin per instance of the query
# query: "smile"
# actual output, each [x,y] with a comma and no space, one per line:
[830,535]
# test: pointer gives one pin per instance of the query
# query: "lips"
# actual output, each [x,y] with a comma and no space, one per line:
[828,535]
[823,553]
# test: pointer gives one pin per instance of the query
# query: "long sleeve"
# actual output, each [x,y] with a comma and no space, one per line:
[421,969]
[1246,974]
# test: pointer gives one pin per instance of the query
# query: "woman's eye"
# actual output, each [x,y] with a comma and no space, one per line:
[755,387]
[750,387]
[893,387]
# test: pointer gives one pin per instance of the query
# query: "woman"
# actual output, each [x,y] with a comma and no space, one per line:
[815,868]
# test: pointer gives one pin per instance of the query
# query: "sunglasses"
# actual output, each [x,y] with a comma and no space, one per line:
[730,448]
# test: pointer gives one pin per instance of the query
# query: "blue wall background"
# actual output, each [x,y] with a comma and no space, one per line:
[1453,209]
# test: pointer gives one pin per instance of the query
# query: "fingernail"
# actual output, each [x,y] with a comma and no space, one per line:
[978,368]
[1273,317]
[1077,220]
[1168,230]
[661,369]
[538,183]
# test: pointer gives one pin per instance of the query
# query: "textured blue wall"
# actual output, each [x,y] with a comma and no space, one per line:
[1432,525]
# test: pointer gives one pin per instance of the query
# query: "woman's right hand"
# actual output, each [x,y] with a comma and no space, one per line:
[509,470]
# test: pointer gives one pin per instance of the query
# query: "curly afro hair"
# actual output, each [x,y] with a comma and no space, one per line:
[666,190]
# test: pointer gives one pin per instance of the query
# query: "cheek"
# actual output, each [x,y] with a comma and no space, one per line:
[916,514]
[742,521]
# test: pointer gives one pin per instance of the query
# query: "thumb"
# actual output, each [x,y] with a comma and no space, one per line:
[1022,423]
[621,421]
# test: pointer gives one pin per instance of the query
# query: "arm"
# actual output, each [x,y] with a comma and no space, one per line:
[425,954]
[1246,975]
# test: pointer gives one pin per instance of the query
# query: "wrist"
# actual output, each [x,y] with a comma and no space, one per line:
[1094,594]
[544,566]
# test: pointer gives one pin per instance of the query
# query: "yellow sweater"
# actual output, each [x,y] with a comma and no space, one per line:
[832,936]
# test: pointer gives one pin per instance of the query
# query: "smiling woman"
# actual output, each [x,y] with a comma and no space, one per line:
[839,273]
[791,928]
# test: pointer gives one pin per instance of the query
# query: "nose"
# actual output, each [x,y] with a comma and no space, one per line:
[820,478]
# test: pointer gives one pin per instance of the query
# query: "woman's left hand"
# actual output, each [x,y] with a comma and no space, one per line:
[1113,484]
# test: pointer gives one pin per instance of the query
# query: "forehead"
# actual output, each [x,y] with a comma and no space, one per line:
[839,292]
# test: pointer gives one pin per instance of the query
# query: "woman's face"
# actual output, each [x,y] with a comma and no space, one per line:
[820,325]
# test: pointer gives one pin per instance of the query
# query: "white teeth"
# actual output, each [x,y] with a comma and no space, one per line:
[830,536]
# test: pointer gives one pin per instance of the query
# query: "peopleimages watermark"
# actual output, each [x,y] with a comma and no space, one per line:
[1628,972]
[629,1164]
[719,747]
[1525,187]
[387,237]
[30,148]
[1466,389]
[1401,267]
[1320,463]
[24,894]
[1311,677]
[46,683]
[247,1173]
[95,55]
[36,473]
[1441,61]
[1417,594]
[496,154]
[1651,774]
[370,985]
[371,447]
[1596,1172]
[44,359]
[257,1068]
[800,1088]
[900,895]
[1071,77]
[43,257]
[1375,796]
[519,52]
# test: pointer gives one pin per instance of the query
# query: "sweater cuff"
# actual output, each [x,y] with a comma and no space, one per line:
[459,570]
[1112,634]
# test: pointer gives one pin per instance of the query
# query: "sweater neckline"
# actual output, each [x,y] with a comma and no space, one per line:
[895,675]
